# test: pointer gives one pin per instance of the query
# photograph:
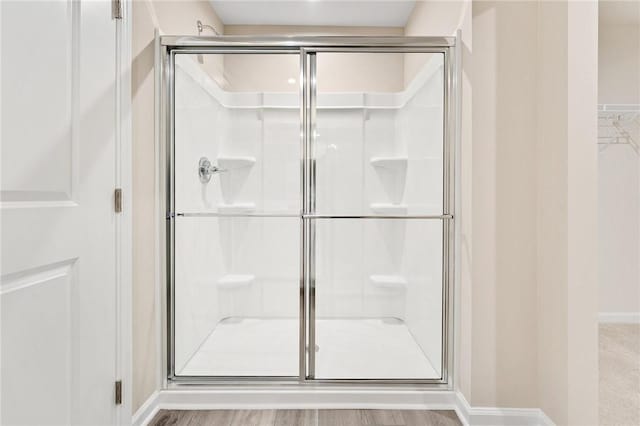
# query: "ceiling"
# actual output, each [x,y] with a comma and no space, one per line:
[619,11]
[359,13]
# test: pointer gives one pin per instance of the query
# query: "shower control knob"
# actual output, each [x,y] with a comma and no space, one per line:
[206,170]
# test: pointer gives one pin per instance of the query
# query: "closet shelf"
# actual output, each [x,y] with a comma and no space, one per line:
[619,124]
[389,208]
[236,208]
[392,282]
[236,280]
[396,163]
[230,162]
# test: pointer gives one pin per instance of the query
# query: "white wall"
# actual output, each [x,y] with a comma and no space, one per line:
[618,58]
[504,203]
[567,212]
[619,229]
[619,165]
[526,291]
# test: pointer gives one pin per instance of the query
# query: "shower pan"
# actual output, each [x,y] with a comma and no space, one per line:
[309,209]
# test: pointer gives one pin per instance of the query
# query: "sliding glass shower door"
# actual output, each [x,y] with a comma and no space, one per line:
[377,215]
[237,222]
[309,212]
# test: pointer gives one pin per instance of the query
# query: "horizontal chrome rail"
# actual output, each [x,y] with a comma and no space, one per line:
[312,216]
[270,381]
[295,42]
[239,214]
[327,216]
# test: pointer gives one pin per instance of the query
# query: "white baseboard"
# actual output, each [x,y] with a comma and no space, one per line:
[619,317]
[147,410]
[209,399]
[493,416]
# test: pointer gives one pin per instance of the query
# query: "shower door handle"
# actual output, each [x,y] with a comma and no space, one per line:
[206,169]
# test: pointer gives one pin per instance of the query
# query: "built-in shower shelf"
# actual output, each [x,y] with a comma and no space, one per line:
[389,208]
[237,208]
[236,280]
[396,282]
[231,162]
[394,163]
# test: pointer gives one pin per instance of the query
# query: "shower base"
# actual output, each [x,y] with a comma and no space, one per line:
[345,349]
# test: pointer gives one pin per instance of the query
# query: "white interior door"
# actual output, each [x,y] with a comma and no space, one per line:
[59,243]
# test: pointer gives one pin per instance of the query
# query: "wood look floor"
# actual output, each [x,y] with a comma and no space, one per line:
[305,418]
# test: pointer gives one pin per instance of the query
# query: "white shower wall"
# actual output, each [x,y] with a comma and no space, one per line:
[249,267]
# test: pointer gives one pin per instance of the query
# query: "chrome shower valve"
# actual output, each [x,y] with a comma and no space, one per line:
[206,169]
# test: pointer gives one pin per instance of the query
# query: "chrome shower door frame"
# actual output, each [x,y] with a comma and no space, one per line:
[306,47]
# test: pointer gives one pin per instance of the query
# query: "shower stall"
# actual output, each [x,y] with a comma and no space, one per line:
[309,208]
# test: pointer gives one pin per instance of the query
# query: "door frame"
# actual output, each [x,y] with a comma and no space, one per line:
[306,47]
[124,220]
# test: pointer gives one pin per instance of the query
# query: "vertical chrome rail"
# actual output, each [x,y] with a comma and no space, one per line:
[453,107]
[448,235]
[311,164]
[445,224]
[303,228]
[170,209]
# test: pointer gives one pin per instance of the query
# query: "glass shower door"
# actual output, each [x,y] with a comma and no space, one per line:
[378,219]
[323,259]
[236,235]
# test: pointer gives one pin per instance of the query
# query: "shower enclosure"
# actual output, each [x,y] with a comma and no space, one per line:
[309,208]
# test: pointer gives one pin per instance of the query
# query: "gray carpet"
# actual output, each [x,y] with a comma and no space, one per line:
[619,375]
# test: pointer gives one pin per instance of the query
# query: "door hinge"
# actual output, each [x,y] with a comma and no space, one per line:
[116,9]
[117,200]
[118,392]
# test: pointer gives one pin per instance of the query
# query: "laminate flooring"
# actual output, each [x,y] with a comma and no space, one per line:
[305,418]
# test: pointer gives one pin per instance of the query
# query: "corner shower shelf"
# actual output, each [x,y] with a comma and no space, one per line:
[391,282]
[231,163]
[396,163]
[389,208]
[236,208]
[236,280]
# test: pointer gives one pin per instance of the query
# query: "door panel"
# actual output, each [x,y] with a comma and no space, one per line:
[58,227]
[377,251]
[236,232]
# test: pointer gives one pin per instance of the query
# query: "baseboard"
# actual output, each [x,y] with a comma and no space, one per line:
[494,416]
[211,399]
[147,410]
[619,317]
